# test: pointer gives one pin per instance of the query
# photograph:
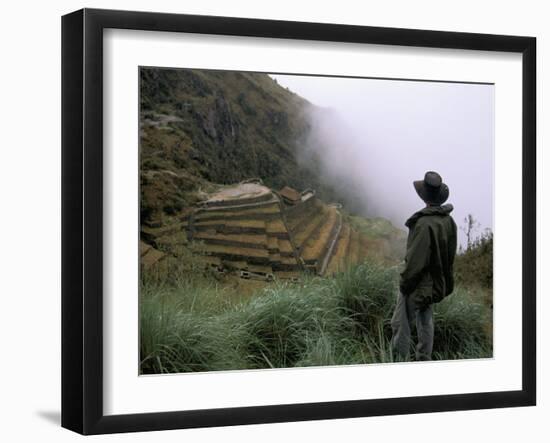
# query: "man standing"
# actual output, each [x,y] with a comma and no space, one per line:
[428,274]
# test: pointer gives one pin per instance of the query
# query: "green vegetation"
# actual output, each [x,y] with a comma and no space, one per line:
[463,325]
[387,240]
[199,127]
[197,323]
[474,265]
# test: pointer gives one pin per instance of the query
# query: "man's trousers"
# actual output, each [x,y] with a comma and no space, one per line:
[405,315]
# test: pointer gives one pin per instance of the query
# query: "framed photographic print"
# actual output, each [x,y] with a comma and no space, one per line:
[269,221]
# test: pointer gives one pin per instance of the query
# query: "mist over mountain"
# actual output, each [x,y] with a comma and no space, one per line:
[379,135]
[199,128]
[334,147]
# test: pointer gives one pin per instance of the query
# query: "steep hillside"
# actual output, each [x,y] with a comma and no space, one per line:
[200,127]
[203,133]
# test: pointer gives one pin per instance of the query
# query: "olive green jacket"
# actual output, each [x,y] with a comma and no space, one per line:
[431,248]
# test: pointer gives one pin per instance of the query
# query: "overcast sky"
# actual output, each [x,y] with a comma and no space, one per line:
[393,131]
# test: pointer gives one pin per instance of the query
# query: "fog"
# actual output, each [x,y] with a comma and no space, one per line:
[380,135]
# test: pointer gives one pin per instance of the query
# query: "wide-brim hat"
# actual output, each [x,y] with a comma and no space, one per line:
[432,189]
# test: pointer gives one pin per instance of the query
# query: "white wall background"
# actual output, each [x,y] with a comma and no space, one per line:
[30,222]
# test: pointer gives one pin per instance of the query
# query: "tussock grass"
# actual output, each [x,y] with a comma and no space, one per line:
[200,324]
[463,326]
[182,328]
[367,293]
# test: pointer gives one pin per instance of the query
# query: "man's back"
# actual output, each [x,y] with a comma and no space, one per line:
[431,248]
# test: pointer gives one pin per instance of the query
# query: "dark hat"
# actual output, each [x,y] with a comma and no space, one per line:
[432,189]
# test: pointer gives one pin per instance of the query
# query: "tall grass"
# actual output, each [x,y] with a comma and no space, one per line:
[182,328]
[198,324]
[367,294]
[463,326]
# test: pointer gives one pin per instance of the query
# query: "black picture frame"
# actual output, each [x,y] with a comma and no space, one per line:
[82,218]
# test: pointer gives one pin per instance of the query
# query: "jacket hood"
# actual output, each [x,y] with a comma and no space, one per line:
[429,210]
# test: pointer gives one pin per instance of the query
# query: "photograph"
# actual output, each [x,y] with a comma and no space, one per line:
[292,220]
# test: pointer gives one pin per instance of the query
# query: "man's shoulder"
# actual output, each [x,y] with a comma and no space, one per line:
[434,222]
[425,222]
[421,227]
[428,214]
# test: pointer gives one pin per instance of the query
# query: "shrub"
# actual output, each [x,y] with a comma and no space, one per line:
[474,265]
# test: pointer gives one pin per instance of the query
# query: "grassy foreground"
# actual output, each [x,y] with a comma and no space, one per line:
[198,324]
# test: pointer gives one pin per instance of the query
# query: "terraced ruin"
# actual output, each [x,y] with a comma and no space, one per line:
[255,232]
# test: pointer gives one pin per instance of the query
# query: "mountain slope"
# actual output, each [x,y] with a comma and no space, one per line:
[199,127]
